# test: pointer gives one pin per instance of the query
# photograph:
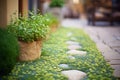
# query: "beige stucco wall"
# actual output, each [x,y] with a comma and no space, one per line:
[12,10]
[7,10]
[25,8]
[3,13]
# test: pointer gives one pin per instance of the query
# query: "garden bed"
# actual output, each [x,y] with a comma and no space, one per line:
[54,53]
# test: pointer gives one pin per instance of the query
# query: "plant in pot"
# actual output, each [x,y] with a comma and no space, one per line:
[55,8]
[57,3]
[52,21]
[30,33]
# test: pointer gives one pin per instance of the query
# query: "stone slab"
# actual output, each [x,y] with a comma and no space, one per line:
[73,47]
[74,74]
[72,43]
[76,52]
[64,66]
[71,57]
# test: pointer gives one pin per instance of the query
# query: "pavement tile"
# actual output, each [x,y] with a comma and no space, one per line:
[115,62]
[116,67]
[114,44]
[117,49]
[116,73]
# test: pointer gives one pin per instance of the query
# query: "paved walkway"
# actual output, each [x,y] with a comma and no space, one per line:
[107,40]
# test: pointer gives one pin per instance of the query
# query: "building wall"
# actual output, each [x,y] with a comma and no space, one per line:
[3,13]
[12,10]
[8,8]
[40,5]
[25,8]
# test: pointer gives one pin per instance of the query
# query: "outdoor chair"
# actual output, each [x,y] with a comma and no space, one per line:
[115,11]
[100,10]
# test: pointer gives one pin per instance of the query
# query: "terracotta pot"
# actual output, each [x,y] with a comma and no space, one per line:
[30,51]
[54,27]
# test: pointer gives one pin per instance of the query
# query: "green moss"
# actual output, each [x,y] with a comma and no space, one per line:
[54,53]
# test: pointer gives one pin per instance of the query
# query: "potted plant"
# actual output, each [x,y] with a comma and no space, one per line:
[55,8]
[52,21]
[57,3]
[30,33]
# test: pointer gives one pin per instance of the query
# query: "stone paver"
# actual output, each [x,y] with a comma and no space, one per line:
[76,52]
[72,43]
[74,74]
[73,47]
[117,38]
[117,67]
[115,62]
[71,57]
[117,49]
[107,52]
[64,66]
[116,73]
[114,44]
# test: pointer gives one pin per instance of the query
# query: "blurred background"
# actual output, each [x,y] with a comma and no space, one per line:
[93,11]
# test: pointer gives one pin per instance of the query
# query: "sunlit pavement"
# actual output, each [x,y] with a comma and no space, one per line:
[107,39]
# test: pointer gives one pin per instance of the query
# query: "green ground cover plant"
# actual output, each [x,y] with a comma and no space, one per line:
[54,53]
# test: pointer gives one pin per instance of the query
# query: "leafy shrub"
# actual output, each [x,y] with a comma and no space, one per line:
[30,29]
[50,19]
[57,3]
[8,52]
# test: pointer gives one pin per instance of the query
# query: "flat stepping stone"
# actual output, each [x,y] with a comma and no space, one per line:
[71,57]
[73,47]
[72,43]
[74,74]
[64,66]
[76,52]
